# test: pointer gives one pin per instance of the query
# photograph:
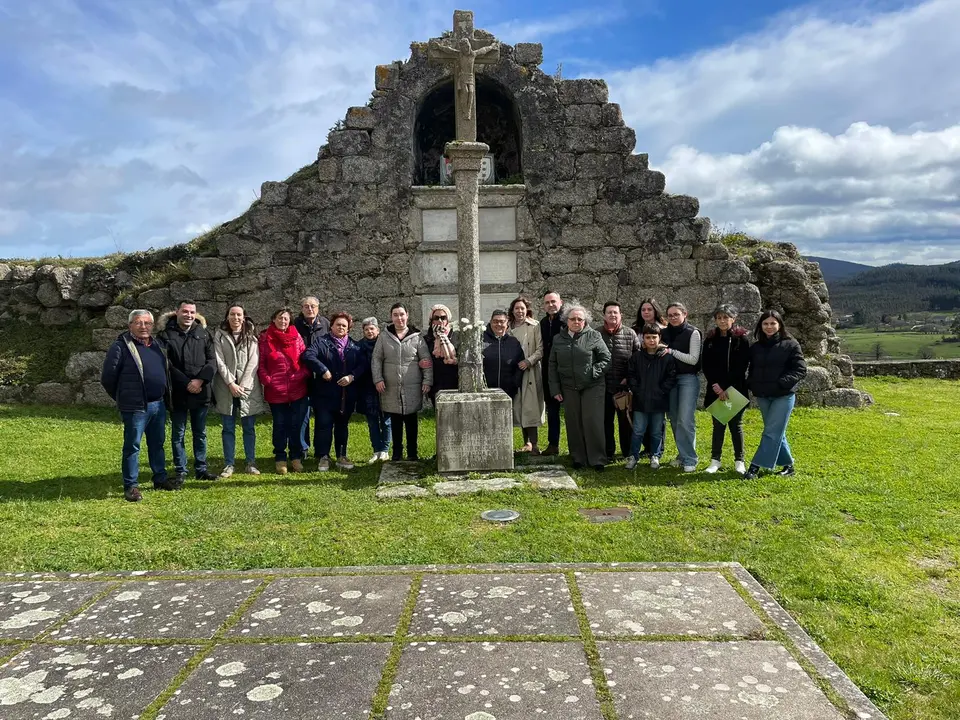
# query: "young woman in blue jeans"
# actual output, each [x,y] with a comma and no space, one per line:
[776,368]
[683,341]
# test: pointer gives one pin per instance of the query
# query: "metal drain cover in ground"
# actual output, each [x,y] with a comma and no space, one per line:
[500,515]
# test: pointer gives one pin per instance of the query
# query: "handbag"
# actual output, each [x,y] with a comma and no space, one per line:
[623,401]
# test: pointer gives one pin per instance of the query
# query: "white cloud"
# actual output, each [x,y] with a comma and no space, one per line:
[841,135]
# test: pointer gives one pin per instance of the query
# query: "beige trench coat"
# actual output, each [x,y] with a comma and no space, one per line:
[239,365]
[528,406]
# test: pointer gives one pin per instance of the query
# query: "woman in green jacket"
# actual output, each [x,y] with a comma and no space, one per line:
[578,360]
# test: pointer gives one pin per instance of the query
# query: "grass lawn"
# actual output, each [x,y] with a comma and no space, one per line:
[862,546]
[897,345]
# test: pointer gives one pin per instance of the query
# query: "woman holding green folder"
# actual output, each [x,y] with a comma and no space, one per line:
[726,356]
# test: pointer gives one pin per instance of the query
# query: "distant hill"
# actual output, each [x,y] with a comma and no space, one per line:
[837,269]
[897,288]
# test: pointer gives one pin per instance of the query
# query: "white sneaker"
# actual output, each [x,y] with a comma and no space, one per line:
[654,463]
[713,466]
[375,458]
[675,462]
[226,472]
[344,464]
[384,456]
[689,468]
[324,464]
[740,467]
[631,462]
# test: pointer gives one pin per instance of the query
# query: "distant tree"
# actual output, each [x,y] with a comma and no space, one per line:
[925,353]
[878,351]
[859,316]
[885,319]
[955,327]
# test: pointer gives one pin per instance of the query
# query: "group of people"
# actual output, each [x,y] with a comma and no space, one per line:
[308,367]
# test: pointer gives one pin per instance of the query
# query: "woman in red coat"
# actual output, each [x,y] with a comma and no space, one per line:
[284,380]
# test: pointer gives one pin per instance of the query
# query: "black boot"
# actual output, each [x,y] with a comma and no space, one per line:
[787,471]
[753,472]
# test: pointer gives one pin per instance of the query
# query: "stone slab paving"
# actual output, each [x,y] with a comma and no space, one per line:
[676,681]
[307,681]
[666,603]
[504,681]
[507,604]
[331,606]
[619,641]
[399,480]
[29,608]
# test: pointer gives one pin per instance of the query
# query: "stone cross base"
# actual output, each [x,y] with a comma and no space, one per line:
[474,431]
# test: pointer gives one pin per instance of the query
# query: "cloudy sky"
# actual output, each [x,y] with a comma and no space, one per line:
[836,126]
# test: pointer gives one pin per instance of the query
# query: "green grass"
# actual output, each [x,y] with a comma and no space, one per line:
[896,345]
[862,546]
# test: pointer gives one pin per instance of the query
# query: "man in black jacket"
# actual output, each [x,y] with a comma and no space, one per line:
[135,376]
[193,365]
[502,355]
[550,326]
[310,324]
[651,375]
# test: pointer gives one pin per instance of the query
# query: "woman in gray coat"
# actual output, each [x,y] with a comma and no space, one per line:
[236,388]
[578,360]
[402,373]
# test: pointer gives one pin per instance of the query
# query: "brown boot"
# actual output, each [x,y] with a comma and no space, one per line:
[296,466]
[551,450]
[281,467]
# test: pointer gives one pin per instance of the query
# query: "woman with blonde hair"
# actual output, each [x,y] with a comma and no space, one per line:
[528,404]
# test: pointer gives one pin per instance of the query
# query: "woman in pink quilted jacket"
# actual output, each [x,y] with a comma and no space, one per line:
[284,380]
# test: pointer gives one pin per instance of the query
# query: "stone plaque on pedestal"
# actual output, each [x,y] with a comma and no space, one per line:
[474,431]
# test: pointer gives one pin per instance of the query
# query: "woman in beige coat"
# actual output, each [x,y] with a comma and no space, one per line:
[236,388]
[528,404]
[402,373]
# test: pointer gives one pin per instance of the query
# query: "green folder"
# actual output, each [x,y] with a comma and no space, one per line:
[724,410]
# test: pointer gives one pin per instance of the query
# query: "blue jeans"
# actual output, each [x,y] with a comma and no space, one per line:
[774,449]
[683,408]
[642,422]
[379,426]
[198,430]
[332,428]
[229,436]
[287,428]
[305,432]
[153,423]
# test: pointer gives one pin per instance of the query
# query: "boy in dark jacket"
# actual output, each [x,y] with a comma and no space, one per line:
[651,377]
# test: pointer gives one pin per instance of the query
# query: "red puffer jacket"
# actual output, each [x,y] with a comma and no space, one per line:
[283,381]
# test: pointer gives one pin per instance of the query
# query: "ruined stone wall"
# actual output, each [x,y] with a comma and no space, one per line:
[592,222]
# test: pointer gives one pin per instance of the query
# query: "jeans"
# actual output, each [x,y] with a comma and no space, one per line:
[553,421]
[333,427]
[611,417]
[287,429]
[151,422]
[649,448]
[736,434]
[642,423]
[229,436]
[379,426]
[198,431]
[683,406]
[774,449]
[305,433]
[397,425]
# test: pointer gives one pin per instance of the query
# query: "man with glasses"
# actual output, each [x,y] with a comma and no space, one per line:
[310,324]
[135,376]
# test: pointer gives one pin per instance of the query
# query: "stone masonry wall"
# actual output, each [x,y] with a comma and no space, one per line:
[593,223]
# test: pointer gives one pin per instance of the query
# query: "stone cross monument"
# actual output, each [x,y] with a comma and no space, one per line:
[466,156]
[474,426]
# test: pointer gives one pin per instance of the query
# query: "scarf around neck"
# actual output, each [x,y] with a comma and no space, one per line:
[284,342]
[613,330]
[341,344]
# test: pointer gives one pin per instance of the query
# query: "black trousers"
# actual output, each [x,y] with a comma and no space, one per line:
[553,420]
[397,425]
[736,434]
[623,425]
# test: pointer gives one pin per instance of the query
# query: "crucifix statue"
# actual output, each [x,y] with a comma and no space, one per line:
[464,52]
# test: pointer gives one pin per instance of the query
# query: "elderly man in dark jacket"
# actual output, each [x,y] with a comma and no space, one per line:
[135,376]
[310,324]
[502,355]
[651,376]
[193,365]
[622,343]
[551,325]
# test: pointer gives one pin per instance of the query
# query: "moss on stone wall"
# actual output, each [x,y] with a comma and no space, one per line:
[31,354]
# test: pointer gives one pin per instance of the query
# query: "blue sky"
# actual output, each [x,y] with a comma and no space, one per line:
[836,126]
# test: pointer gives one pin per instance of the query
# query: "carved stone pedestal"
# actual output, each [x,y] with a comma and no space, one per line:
[474,431]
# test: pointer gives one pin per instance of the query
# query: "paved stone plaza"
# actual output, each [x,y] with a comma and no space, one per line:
[497,642]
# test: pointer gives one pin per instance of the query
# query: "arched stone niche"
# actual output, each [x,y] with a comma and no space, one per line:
[498,125]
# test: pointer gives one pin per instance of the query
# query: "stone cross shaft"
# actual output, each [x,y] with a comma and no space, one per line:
[464,52]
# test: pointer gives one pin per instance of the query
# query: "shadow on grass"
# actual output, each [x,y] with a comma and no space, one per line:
[110,485]
[60,412]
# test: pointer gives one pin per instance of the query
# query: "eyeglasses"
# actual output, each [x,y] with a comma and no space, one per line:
[439,317]
[575,319]
[674,315]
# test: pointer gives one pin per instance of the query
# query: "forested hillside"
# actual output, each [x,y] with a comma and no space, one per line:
[834,270]
[895,289]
